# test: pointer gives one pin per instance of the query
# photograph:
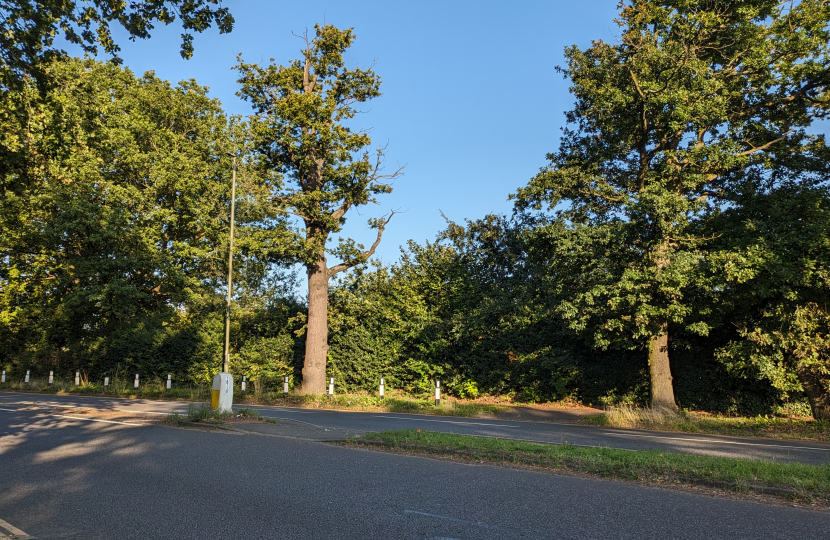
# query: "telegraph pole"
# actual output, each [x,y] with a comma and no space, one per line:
[227,349]
[221,398]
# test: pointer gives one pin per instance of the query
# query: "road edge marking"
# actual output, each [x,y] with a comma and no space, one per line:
[96,420]
[11,528]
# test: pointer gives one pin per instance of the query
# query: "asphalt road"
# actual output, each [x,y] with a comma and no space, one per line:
[811,452]
[72,479]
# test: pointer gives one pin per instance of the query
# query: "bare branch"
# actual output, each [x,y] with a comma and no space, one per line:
[366,254]
[765,146]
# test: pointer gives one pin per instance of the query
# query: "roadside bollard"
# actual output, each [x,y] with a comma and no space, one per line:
[26,380]
[169,381]
[4,376]
[244,380]
[51,377]
[135,385]
[331,388]
[381,388]
[77,378]
[437,392]
[285,388]
[106,382]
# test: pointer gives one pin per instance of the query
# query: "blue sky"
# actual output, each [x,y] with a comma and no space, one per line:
[471,104]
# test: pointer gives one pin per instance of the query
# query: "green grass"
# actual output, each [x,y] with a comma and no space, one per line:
[154,389]
[196,412]
[690,422]
[204,413]
[249,413]
[794,480]
[173,419]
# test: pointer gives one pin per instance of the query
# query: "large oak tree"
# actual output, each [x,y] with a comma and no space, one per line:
[693,96]
[302,110]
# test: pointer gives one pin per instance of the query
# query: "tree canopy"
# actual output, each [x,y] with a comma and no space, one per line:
[28,28]
[667,125]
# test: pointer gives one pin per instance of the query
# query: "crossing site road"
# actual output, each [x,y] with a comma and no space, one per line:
[810,452]
[67,478]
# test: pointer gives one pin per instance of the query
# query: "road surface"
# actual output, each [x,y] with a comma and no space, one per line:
[62,478]
[811,452]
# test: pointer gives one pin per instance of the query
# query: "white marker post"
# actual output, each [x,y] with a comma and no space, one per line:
[331,388]
[169,381]
[221,398]
[4,376]
[77,378]
[437,392]
[244,380]
[26,380]
[51,377]
[106,382]
[381,388]
[135,384]
[285,388]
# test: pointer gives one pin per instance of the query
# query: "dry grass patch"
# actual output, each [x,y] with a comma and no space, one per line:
[696,422]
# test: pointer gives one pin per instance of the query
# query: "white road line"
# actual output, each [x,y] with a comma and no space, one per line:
[145,412]
[717,441]
[10,410]
[95,420]
[12,529]
[478,523]
[444,421]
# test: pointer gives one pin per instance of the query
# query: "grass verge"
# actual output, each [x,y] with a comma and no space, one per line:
[201,413]
[118,388]
[791,480]
[691,422]
[204,413]
[395,403]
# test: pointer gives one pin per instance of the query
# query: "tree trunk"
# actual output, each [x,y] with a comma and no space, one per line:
[815,387]
[662,391]
[317,333]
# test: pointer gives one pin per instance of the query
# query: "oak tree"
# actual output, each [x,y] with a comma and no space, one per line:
[28,28]
[692,97]
[301,127]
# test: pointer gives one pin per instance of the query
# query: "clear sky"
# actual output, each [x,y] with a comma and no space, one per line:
[471,100]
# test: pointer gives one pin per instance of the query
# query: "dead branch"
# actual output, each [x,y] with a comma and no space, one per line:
[366,254]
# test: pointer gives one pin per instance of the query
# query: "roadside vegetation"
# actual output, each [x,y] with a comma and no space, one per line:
[673,250]
[789,427]
[792,480]
[203,413]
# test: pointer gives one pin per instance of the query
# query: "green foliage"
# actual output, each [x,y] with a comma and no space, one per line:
[204,413]
[775,272]
[687,199]
[114,240]
[477,311]
[301,132]
[667,126]
[29,27]
[265,359]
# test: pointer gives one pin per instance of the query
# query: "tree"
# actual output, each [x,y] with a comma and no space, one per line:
[28,27]
[693,97]
[121,225]
[302,109]
[775,284]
